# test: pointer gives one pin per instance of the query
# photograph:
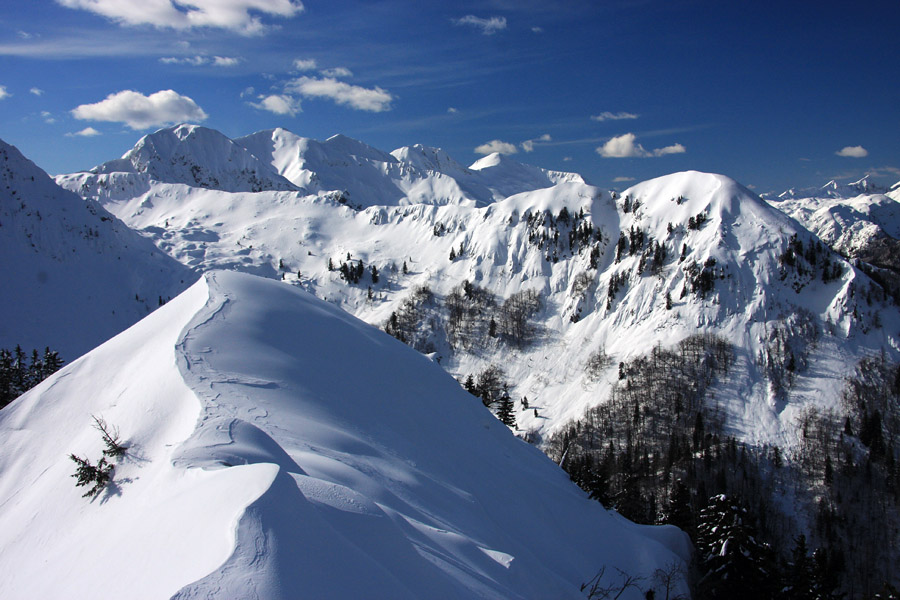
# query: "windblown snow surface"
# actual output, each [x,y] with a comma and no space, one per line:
[280,448]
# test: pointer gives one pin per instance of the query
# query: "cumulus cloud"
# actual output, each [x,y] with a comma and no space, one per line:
[47,116]
[853,152]
[4,93]
[611,116]
[487,26]
[141,112]
[305,64]
[357,97]
[496,146]
[624,146]
[36,91]
[337,72]
[86,132]
[280,104]
[234,15]
[199,61]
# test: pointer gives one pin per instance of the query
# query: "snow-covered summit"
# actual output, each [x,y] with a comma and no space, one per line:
[74,275]
[197,156]
[833,189]
[276,445]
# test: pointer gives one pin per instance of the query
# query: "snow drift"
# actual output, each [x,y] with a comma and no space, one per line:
[280,448]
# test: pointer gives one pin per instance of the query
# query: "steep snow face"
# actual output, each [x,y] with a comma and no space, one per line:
[197,156]
[276,444]
[73,274]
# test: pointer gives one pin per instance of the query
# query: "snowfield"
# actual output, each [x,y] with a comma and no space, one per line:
[280,448]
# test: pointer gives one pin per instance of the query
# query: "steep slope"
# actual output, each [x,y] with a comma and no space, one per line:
[73,274]
[279,447]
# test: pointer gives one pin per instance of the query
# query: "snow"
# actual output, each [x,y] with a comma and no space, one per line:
[278,446]
[74,275]
[421,204]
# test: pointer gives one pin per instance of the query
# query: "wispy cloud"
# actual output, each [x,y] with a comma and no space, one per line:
[625,146]
[611,116]
[86,132]
[233,15]
[4,93]
[488,26]
[337,72]
[853,152]
[200,61]
[622,179]
[453,110]
[36,91]
[496,146]
[141,112]
[357,97]
[48,117]
[280,104]
[537,30]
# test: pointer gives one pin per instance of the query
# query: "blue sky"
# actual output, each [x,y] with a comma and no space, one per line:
[773,94]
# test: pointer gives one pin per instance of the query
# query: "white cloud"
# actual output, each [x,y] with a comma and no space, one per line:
[370,99]
[225,61]
[673,149]
[624,146]
[199,61]
[337,72]
[853,151]
[24,35]
[567,158]
[487,26]
[36,91]
[47,117]
[537,30]
[280,104]
[86,132]
[496,146]
[305,64]
[187,14]
[622,179]
[610,116]
[247,91]
[452,110]
[141,112]
[4,93]
[528,145]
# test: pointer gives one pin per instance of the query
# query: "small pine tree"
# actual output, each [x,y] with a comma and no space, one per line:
[96,476]
[405,270]
[452,254]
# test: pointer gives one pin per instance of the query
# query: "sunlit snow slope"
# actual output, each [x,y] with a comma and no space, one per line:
[73,274]
[280,448]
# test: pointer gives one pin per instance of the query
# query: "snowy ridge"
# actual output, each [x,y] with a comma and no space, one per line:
[281,445]
[74,275]
[196,156]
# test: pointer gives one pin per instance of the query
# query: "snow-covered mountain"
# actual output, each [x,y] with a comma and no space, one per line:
[832,189]
[73,274]
[339,168]
[195,156]
[686,253]
[277,447]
